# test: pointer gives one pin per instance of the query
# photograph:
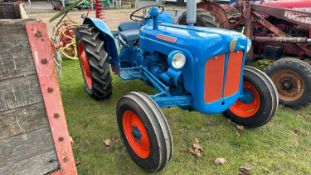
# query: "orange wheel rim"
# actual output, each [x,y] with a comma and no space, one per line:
[85,66]
[249,109]
[136,134]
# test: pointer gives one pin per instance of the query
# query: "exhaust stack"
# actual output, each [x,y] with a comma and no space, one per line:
[191,12]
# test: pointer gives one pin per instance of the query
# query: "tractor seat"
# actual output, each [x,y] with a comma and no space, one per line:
[130,35]
[129,26]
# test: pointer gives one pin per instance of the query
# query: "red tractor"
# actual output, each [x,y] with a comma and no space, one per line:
[280,30]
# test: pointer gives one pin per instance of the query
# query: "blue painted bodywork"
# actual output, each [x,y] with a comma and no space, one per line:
[148,60]
[110,44]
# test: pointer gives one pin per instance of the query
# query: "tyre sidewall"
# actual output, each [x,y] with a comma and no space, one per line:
[264,112]
[152,161]
[295,67]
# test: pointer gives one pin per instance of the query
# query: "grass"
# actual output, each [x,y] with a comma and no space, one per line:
[281,147]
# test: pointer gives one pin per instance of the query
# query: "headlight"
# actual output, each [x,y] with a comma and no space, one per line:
[249,45]
[177,59]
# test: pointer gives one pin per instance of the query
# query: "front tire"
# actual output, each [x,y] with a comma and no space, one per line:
[94,62]
[292,78]
[144,131]
[259,102]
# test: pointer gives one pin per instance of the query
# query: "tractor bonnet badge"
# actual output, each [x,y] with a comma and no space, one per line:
[233,45]
[167,38]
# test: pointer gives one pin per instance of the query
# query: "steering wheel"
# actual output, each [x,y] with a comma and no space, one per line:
[135,17]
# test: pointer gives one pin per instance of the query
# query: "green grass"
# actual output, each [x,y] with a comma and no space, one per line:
[281,147]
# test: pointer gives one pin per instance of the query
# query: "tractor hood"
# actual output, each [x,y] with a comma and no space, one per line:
[196,42]
[214,61]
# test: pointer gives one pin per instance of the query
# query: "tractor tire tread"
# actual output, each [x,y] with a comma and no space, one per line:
[268,96]
[157,124]
[303,69]
[164,124]
[204,19]
[97,57]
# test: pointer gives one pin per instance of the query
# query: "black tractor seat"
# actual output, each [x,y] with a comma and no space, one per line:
[129,31]
[129,26]
[130,35]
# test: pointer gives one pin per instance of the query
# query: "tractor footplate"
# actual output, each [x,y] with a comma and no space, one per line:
[131,73]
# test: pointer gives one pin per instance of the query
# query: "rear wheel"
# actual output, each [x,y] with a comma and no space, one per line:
[292,78]
[204,19]
[259,102]
[93,61]
[144,131]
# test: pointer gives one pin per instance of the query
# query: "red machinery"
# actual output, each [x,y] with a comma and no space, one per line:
[279,30]
[99,9]
[64,31]
[292,4]
[34,138]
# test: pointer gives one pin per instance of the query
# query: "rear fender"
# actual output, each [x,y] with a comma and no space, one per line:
[110,42]
[217,11]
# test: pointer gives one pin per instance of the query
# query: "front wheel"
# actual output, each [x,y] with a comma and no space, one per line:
[144,131]
[259,102]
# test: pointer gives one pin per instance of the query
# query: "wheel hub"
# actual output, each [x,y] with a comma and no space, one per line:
[136,133]
[248,96]
[248,105]
[289,84]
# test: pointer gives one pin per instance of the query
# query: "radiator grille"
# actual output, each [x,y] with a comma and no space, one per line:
[219,82]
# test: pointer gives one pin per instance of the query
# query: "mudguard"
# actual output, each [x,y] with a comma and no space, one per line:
[110,43]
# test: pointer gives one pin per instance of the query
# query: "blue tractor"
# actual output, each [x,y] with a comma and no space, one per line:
[193,68]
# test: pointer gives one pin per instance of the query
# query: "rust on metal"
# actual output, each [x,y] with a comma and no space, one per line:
[268,25]
[281,39]
[50,89]
[38,34]
[217,11]
[53,103]
[61,139]
[290,85]
[44,61]
[56,115]
[293,16]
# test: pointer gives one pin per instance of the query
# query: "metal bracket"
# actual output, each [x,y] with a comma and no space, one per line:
[43,58]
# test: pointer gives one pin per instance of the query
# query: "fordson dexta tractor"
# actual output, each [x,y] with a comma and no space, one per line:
[193,68]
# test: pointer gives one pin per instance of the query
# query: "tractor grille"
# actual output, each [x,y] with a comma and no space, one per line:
[219,82]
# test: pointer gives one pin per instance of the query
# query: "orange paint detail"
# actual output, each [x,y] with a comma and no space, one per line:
[141,143]
[244,110]
[234,71]
[213,79]
[167,38]
[41,48]
[85,66]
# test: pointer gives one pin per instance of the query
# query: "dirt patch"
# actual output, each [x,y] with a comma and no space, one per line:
[112,17]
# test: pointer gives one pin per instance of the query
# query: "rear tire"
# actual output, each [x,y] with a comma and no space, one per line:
[94,62]
[204,19]
[144,131]
[292,78]
[260,101]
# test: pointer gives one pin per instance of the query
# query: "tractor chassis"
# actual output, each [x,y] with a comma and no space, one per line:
[163,98]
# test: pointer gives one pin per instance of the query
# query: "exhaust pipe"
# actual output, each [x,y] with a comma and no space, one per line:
[191,12]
